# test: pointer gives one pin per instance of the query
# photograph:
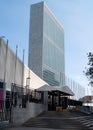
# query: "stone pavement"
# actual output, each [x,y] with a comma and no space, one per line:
[57,120]
[52,120]
[6,124]
[28,128]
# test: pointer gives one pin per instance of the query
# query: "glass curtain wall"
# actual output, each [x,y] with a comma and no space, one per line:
[53,50]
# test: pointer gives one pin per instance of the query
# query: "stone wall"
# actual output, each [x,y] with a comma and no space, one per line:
[21,115]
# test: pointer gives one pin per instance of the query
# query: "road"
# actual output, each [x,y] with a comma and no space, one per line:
[52,120]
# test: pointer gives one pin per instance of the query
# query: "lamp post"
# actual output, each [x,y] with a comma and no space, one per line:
[15,63]
[27,86]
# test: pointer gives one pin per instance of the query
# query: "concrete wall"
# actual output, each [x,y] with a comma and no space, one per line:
[23,114]
[15,74]
[7,66]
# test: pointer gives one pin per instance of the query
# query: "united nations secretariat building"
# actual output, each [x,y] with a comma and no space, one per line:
[26,91]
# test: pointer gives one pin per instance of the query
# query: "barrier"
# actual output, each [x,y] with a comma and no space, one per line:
[58,108]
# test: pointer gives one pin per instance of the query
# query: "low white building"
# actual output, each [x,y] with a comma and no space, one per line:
[15,77]
[13,70]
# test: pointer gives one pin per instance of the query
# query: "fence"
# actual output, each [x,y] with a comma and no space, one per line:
[5,111]
[20,96]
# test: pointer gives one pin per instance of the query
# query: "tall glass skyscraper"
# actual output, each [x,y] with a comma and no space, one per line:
[46,45]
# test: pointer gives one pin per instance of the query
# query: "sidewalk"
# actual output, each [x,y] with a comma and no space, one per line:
[28,128]
[5,124]
[52,120]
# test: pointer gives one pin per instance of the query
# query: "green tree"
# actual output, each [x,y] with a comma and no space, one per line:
[89,71]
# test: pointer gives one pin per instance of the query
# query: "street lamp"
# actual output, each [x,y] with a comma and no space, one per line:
[27,86]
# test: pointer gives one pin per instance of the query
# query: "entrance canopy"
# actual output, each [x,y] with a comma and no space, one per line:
[46,88]
[65,90]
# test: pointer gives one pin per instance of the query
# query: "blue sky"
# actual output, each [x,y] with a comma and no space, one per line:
[76,17]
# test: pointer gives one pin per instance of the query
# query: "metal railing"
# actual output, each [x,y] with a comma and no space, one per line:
[5,113]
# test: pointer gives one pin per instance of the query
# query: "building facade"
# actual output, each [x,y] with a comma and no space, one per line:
[46,45]
[14,75]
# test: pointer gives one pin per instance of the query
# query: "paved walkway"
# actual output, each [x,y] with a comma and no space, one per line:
[58,120]
[29,128]
[54,121]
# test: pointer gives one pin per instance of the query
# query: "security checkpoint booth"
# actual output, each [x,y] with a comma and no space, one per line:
[56,98]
